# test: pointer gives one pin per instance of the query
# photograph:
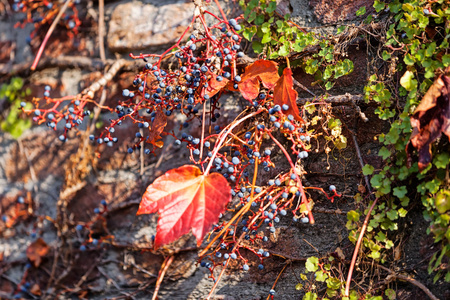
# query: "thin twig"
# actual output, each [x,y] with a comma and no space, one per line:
[161,274]
[361,162]
[101,29]
[49,33]
[357,247]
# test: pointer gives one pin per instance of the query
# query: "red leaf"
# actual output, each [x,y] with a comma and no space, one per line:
[264,71]
[430,120]
[158,125]
[214,86]
[284,93]
[185,199]
[36,251]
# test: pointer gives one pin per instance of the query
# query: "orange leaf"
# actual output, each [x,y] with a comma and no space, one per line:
[185,199]
[214,86]
[264,71]
[158,125]
[35,290]
[284,93]
[430,120]
[36,251]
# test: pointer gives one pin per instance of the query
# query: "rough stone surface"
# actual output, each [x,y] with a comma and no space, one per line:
[332,11]
[135,25]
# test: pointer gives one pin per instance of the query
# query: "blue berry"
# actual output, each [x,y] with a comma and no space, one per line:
[285,107]
[272,292]
[125,93]
[237,78]
[283,212]
[130,150]
[261,266]
[235,160]
[21,200]
[96,210]
[245,267]
[304,220]
[82,248]
[196,152]
[233,255]
[332,188]
[278,182]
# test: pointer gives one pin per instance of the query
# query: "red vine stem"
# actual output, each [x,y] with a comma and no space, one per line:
[299,182]
[357,246]
[48,34]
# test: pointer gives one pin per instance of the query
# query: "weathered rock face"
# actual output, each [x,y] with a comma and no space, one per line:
[136,25]
[331,11]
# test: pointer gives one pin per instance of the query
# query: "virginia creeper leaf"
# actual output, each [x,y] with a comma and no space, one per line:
[284,93]
[430,120]
[185,199]
[214,86]
[264,71]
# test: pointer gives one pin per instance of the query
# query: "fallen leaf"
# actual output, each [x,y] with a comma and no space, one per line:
[36,251]
[284,93]
[185,199]
[158,125]
[264,71]
[430,119]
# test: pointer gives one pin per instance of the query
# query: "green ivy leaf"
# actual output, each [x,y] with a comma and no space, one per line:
[271,7]
[446,60]
[249,32]
[392,214]
[257,47]
[442,160]
[333,283]
[379,6]
[402,212]
[400,191]
[329,85]
[368,170]
[442,201]
[384,153]
[353,215]
[361,11]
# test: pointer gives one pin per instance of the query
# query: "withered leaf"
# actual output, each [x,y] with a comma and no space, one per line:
[36,251]
[430,120]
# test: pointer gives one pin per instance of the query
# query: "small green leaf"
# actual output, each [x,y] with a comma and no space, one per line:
[402,212]
[384,152]
[312,264]
[400,191]
[442,201]
[298,286]
[446,60]
[353,215]
[257,47]
[379,6]
[310,296]
[368,170]
[321,276]
[341,29]
[361,11]
[329,85]
[392,214]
